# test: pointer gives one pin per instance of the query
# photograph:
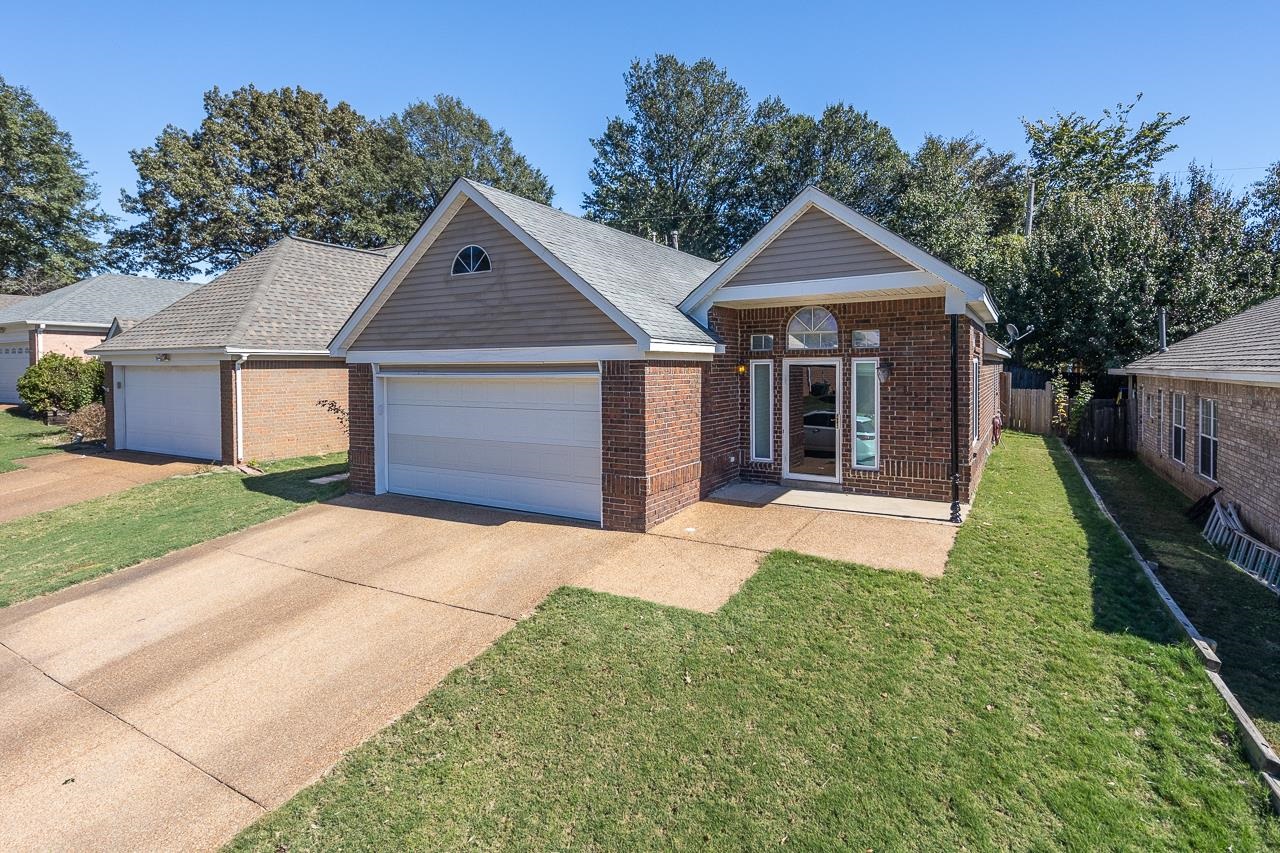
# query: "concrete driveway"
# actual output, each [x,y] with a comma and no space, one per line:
[62,479]
[167,706]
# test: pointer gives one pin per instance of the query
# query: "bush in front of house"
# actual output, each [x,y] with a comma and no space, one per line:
[89,422]
[61,383]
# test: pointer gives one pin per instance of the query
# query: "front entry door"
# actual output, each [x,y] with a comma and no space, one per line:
[813,398]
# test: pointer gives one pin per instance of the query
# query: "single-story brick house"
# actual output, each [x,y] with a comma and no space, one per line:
[71,319]
[1209,414]
[517,356]
[235,371]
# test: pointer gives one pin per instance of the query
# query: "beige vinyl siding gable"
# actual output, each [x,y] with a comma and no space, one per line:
[521,302]
[817,246]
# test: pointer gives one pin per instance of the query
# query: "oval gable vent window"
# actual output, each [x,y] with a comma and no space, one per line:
[472,259]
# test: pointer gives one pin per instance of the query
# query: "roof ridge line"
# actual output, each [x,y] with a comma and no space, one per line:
[251,304]
[593,222]
[378,252]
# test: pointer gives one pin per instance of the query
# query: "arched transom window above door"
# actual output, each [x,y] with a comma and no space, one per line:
[812,328]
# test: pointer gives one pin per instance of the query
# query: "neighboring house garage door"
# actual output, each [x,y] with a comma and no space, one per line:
[173,410]
[518,441]
[14,360]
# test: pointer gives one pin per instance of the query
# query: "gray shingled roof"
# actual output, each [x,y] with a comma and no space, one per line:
[1246,343]
[98,300]
[8,300]
[293,295]
[644,280]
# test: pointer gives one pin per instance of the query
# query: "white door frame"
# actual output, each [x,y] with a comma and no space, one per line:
[787,364]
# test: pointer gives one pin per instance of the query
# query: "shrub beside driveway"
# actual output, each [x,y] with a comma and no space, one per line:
[45,552]
[1034,697]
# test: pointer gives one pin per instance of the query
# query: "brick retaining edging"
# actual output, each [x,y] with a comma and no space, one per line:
[1260,754]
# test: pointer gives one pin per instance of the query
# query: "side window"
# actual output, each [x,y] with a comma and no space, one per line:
[762,411]
[1208,461]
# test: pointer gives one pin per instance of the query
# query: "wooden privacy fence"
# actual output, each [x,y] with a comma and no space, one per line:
[1030,409]
[1103,429]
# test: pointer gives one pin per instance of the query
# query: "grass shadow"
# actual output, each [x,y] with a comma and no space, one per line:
[293,484]
[1123,600]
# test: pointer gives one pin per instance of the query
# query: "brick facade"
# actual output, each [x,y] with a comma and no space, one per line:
[1248,454]
[65,342]
[915,402]
[360,453]
[651,440]
[227,408]
[282,416]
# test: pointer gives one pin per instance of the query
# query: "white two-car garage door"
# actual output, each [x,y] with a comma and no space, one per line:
[519,441]
[173,410]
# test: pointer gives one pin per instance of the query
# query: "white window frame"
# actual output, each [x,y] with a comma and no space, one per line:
[1178,421]
[975,408]
[1212,477]
[751,379]
[483,251]
[853,411]
[787,364]
[1160,421]
[834,333]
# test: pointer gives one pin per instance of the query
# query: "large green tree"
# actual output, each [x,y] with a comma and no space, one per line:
[49,215]
[954,196]
[680,157]
[1075,153]
[263,164]
[1264,198]
[430,145]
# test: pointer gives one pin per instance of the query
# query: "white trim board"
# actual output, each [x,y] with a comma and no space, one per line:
[523,355]
[458,194]
[709,292]
[1234,377]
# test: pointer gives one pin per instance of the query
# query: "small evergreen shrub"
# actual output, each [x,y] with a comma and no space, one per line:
[61,383]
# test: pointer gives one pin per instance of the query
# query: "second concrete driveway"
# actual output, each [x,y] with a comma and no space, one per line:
[62,479]
[169,705]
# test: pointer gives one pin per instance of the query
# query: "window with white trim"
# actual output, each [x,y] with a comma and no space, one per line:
[1178,432]
[812,328]
[1160,421]
[866,414]
[762,411]
[471,259]
[976,413]
[1208,456]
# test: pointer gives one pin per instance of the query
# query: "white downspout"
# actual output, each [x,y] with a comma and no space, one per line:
[239,404]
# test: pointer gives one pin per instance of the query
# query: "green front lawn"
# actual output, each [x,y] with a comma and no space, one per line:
[1035,696]
[1221,601]
[45,552]
[21,436]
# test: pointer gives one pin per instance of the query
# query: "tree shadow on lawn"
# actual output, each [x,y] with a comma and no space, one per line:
[292,484]
[1123,600]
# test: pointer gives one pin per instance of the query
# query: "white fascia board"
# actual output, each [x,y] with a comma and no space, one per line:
[1236,377]
[275,353]
[176,359]
[426,235]
[886,239]
[498,355]
[56,325]
[678,348]
[826,289]
[16,327]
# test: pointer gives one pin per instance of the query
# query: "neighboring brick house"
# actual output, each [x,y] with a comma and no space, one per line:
[1209,414]
[71,319]
[238,370]
[517,356]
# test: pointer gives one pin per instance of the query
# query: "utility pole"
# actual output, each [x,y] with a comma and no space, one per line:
[1031,208]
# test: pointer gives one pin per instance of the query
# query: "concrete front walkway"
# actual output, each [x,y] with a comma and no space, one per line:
[169,705]
[62,479]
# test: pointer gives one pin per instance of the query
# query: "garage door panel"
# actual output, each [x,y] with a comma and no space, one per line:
[503,491]
[521,459]
[14,361]
[173,410]
[530,443]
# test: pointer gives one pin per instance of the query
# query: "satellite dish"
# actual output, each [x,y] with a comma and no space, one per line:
[1014,337]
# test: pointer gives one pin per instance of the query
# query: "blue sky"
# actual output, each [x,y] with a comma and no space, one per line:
[113,74]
